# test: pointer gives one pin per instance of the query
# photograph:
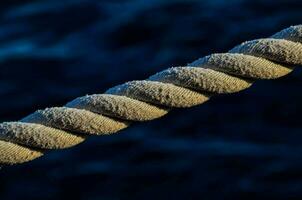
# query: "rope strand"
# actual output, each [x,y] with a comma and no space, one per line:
[178,87]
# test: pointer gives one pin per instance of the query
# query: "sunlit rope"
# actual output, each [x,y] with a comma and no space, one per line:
[177,87]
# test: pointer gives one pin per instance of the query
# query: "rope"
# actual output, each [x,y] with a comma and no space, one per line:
[177,87]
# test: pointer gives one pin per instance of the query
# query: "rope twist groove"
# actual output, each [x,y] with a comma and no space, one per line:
[176,87]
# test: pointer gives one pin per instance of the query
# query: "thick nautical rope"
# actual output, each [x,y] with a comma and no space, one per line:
[177,87]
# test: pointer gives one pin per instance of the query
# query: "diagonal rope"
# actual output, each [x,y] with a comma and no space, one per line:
[177,87]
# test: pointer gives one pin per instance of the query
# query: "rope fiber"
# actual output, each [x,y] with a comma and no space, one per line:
[137,101]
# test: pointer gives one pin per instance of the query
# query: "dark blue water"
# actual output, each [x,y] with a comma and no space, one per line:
[240,146]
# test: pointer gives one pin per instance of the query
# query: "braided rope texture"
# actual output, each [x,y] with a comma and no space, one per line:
[138,101]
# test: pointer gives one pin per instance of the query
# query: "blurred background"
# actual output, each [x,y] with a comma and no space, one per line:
[241,146]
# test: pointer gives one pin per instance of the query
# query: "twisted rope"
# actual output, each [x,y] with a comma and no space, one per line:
[177,87]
